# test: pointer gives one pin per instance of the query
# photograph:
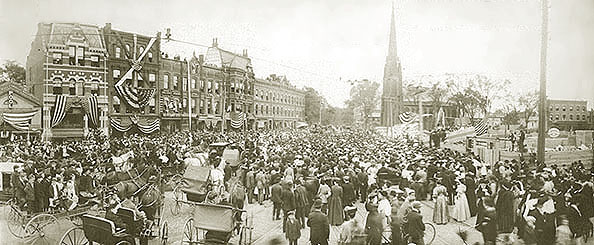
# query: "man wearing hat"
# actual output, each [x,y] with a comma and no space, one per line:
[415,225]
[318,224]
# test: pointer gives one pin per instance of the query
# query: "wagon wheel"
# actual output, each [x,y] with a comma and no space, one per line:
[39,227]
[74,236]
[16,222]
[190,233]
[164,233]
[179,197]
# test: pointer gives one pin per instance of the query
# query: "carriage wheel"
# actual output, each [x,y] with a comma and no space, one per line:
[39,227]
[175,181]
[124,243]
[429,233]
[164,233]
[179,196]
[74,236]
[190,233]
[15,221]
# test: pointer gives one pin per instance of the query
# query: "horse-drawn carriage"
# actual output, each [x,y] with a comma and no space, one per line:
[217,224]
[96,229]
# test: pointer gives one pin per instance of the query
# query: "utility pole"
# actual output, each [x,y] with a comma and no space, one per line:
[189,79]
[540,155]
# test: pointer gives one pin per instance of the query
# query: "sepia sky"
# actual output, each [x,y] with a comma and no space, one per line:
[323,44]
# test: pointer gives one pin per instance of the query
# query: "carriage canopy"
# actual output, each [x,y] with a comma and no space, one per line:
[214,217]
[196,178]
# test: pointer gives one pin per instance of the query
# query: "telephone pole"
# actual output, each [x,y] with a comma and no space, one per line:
[540,155]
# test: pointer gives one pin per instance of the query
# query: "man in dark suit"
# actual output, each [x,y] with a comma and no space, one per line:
[288,198]
[318,224]
[374,226]
[18,186]
[275,196]
[415,225]
[544,224]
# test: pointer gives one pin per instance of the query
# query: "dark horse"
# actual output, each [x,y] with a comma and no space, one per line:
[139,177]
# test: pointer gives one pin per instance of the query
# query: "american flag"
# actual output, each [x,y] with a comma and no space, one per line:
[481,127]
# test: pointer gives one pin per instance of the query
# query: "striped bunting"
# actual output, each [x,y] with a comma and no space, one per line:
[481,127]
[116,123]
[93,110]
[237,119]
[20,121]
[59,110]
[150,127]
[406,117]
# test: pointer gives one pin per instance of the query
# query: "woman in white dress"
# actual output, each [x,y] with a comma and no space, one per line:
[461,210]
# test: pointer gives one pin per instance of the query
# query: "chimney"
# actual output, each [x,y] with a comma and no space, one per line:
[215,42]
[245,54]
[201,58]
[108,26]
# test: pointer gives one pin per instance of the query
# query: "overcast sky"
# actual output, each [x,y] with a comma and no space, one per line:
[323,44]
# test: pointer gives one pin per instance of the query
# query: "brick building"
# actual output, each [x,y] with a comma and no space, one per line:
[278,104]
[569,114]
[66,71]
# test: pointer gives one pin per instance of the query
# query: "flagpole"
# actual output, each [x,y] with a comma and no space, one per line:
[189,99]
[543,83]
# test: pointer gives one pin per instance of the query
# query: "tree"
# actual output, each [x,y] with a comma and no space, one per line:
[364,97]
[12,71]
[527,104]
[313,101]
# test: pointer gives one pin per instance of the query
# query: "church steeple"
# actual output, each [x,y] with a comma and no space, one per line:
[392,48]
[392,84]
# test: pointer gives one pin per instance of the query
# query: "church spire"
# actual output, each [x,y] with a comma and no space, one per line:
[392,50]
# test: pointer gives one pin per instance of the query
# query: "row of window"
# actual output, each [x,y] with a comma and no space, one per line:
[76,56]
[571,117]
[274,110]
[564,108]
[117,52]
[74,88]
[278,97]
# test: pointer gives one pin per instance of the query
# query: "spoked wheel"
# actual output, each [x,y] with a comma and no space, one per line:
[164,233]
[178,196]
[190,233]
[429,233]
[124,243]
[76,220]
[39,227]
[175,181]
[74,236]
[16,222]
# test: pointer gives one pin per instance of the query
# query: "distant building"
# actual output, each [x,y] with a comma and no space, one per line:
[20,110]
[277,103]
[569,114]
[392,100]
[66,72]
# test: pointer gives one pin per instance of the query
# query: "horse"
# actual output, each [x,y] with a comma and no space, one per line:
[129,187]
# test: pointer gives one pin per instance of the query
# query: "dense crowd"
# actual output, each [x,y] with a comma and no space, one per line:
[316,177]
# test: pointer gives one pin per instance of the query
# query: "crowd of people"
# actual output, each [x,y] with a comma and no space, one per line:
[316,178]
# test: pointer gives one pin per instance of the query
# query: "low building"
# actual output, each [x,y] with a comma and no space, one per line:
[20,110]
[277,103]
[66,72]
[568,114]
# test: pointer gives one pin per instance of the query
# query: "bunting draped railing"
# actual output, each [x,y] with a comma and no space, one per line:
[20,121]
[59,110]
[146,128]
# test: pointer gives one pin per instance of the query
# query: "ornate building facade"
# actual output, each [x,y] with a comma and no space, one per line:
[277,103]
[66,71]
[391,102]
[133,68]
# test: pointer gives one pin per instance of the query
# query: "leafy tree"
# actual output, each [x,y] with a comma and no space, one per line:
[12,71]
[364,96]
[527,104]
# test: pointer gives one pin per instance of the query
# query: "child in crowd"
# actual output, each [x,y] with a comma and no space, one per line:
[293,228]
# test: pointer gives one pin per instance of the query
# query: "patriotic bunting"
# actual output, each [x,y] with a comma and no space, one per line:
[147,128]
[406,117]
[59,110]
[135,97]
[237,119]
[93,110]
[20,121]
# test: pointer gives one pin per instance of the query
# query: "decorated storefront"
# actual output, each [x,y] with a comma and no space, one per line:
[20,113]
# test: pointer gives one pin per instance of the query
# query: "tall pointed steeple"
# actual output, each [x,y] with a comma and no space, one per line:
[392,84]
[392,48]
